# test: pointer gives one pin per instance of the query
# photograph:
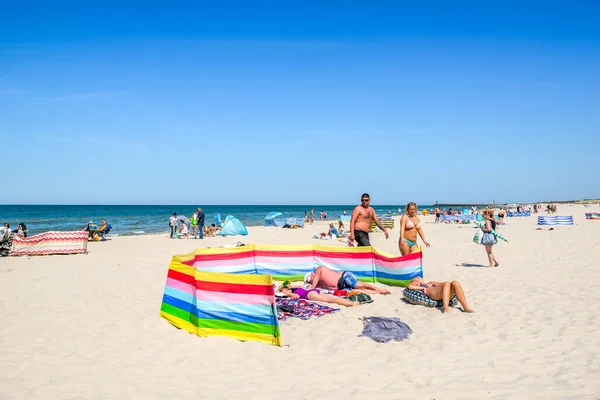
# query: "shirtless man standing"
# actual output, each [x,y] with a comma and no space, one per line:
[360,222]
[329,279]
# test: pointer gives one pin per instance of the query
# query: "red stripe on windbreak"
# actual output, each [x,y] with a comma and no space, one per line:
[226,256]
[283,253]
[220,286]
[337,254]
[408,257]
[181,277]
[235,288]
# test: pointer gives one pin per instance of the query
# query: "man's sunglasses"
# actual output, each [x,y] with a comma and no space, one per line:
[365,199]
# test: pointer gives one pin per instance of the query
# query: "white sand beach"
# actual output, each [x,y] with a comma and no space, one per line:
[88,326]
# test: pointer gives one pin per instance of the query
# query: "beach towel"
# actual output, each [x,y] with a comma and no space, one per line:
[383,330]
[303,309]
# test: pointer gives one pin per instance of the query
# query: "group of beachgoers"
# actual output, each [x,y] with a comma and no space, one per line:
[195,227]
[363,216]
[96,232]
[8,233]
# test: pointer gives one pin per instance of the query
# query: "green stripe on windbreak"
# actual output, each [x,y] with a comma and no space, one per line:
[288,277]
[394,282]
[220,324]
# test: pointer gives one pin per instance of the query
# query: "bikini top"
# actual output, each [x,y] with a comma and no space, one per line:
[412,224]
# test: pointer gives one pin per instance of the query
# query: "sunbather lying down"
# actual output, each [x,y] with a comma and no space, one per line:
[342,280]
[441,291]
[315,295]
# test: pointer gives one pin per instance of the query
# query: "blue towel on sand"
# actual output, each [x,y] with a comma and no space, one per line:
[385,329]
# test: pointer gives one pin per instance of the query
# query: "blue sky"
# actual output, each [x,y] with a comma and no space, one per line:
[299,102]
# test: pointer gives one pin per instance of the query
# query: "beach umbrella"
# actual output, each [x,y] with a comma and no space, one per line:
[498,235]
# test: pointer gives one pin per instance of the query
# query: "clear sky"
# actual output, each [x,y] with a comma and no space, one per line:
[299,102]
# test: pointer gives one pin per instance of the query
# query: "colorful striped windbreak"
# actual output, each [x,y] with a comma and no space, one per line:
[229,291]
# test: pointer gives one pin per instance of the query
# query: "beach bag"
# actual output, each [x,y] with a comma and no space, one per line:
[489,239]
[478,236]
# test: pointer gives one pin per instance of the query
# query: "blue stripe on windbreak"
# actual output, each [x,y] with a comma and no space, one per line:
[180,295]
[397,271]
[285,266]
[283,272]
[268,319]
[248,269]
[398,277]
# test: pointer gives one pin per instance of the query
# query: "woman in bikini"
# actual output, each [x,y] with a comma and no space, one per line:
[441,291]
[409,226]
[315,295]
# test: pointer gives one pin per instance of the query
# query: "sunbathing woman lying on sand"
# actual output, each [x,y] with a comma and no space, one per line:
[315,295]
[441,291]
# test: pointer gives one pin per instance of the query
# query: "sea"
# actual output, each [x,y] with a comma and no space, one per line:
[151,219]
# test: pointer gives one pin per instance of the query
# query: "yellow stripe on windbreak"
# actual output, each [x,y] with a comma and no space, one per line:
[385,254]
[284,247]
[188,327]
[221,277]
[339,249]
[218,250]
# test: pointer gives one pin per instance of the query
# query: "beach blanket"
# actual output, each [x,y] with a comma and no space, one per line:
[385,329]
[592,215]
[303,309]
[47,243]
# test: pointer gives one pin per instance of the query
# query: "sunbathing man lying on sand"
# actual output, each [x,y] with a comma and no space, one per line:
[315,295]
[441,291]
[328,279]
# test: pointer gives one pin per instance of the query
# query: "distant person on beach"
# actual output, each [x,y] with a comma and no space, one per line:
[7,232]
[201,218]
[102,227]
[333,232]
[91,229]
[183,230]
[329,279]
[361,220]
[22,230]
[489,239]
[437,215]
[194,222]
[342,229]
[441,291]
[344,212]
[305,216]
[410,225]
[172,225]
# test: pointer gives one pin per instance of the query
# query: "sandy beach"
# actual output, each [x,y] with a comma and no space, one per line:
[88,326]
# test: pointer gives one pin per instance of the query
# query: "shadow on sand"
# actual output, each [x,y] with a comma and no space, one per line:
[471,265]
